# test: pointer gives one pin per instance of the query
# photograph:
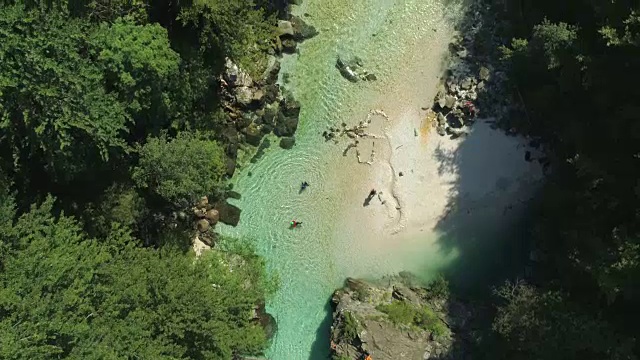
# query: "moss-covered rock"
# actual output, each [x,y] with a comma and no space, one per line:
[397,320]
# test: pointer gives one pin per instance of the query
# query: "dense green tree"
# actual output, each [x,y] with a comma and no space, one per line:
[181,169]
[109,10]
[233,28]
[67,296]
[120,204]
[139,65]
[577,75]
[544,325]
[54,112]
[82,84]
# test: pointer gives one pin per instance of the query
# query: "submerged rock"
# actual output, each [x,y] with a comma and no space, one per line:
[302,30]
[346,71]
[353,70]
[287,142]
[229,214]
[370,77]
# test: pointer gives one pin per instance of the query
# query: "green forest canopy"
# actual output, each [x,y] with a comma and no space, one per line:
[65,295]
[111,107]
[92,94]
[576,65]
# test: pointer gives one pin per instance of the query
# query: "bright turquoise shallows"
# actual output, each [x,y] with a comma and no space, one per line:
[302,256]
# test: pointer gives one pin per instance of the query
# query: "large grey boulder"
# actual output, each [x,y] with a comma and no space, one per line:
[270,74]
[234,76]
[450,101]
[285,125]
[253,134]
[244,95]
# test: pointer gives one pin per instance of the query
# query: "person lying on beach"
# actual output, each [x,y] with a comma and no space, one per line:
[368,199]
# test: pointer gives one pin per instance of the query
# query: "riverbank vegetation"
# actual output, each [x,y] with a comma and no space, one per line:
[110,129]
[574,68]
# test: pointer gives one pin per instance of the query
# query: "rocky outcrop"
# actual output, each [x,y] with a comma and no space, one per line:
[254,108]
[205,218]
[207,215]
[265,319]
[474,81]
[291,32]
[398,320]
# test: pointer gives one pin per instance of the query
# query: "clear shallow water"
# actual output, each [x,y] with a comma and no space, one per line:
[305,259]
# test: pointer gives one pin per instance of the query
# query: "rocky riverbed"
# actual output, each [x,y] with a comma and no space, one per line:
[257,106]
[253,107]
[474,83]
[398,319]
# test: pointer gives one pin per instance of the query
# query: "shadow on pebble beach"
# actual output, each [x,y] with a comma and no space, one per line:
[490,237]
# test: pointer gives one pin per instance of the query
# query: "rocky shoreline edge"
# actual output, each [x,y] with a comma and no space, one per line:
[396,318]
[473,85]
[253,108]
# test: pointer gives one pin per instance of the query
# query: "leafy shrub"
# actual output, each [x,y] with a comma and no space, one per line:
[184,168]
[428,320]
[151,303]
[362,293]
[350,328]
[439,288]
[400,312]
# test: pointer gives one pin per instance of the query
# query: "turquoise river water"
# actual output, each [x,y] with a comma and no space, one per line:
[305,259]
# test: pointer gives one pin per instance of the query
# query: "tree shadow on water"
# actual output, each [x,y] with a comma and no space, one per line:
[484,224]
[320,349]
[484,229]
